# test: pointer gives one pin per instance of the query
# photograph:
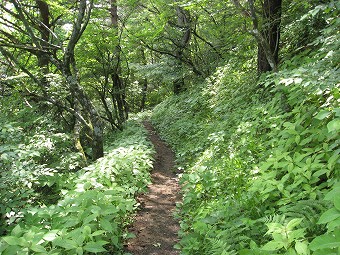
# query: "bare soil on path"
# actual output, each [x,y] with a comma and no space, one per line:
[154,226]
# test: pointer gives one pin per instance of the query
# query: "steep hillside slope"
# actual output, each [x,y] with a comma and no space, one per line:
[260,158]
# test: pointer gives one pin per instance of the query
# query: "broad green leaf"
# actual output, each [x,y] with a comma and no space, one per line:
[98,233]
[297,139]
[337,203]
[50,236]
[95,246]
[67,244]
[106,225]
[334,125]
[334,193]
[324,242]
[296,234]
[80,251]
[38,248]
[115,240]
[12,240]
[273,246]
[333,159]
[274,227]
[301,248]
[87,230]
[322,114]
[333,225]
[129,235]
[90,218]
[337,112]
[329,215]
[71,223]
[291,251]
[293,223]
[16,231]
[13,249]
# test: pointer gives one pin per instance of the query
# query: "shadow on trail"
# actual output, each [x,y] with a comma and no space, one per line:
[155,227]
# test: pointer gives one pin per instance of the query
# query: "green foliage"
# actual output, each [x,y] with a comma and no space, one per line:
[329,242]
[35,158]
[258,162]
[94,210]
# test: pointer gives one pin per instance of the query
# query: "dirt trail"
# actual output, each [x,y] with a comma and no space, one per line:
[155,227]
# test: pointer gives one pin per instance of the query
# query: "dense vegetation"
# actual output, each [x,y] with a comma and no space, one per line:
[247,94]
[261,166]
[60,209]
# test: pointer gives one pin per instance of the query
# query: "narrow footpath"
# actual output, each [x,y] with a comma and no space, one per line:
[155,227]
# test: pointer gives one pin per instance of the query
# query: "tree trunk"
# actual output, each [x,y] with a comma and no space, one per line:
[267,36]
[144,83]
[118,86]
[44,28]
[183,22]
[144,93]
[95,124]
[271,33]
[77,139]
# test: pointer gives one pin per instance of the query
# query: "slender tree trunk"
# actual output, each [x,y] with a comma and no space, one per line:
[271,33]
[77,139]
[144,82]
[118,86]
[44,28]
[94,124]
[183,22]
[144,93]
[70,72]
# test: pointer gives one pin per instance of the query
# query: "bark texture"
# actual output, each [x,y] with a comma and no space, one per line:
[183,23]
[271,33]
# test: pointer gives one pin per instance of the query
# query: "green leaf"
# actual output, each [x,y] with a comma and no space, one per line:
[95,246]
[79,251]
[71,223]
[322,115]
[10,250]
[67,244]
[50,236]
[12,240]
[106,225]
[324,242]
[273,246]
[293,223]
[274,227]
[337,203]
[337,112]
[301,248]
[87,230]
[98,233]
[297,139]
[334,125]
[16,231]
[331,226]
[329,215]
[115,240]
[296,234]
[90,218]
[38,248]
[334,193]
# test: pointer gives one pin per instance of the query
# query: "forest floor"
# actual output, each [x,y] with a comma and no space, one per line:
[154,225]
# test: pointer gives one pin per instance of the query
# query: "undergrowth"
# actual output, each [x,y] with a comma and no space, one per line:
[261,159]
[93,206]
